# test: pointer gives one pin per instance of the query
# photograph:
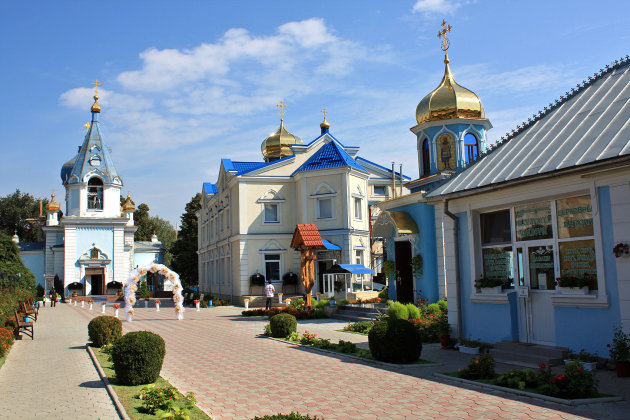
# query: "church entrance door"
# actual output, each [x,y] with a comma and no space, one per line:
[404,273]
[96,278]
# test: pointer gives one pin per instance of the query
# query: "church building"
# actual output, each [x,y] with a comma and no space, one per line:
[527,239]
[89,245]
[249,215]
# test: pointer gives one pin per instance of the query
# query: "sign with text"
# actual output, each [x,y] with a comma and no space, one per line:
[577,259]
[497,263]
[533,221]
[575,217]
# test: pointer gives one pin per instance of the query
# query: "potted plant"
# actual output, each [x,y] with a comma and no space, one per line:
[469,346]
[417,265]
[444,331]
[620,352]
[588,360]
[573,285]
[488,285]
[621,249]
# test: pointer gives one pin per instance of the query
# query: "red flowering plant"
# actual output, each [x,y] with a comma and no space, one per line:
[116,306]
[196,301]
[6,340]
[157,302]
[575,382]
[621,249]
[103,303]
[90,301]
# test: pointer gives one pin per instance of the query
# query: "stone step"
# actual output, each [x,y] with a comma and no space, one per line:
[551,352]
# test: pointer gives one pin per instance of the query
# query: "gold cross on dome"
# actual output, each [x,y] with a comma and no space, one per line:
[281,106]
[324,111]
[442,34]
[96,84]
[87,126]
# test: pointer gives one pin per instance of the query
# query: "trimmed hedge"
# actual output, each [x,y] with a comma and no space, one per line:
[395,341]
[138,357]
[414,311]
[398,310]
[104,329]
[282,325]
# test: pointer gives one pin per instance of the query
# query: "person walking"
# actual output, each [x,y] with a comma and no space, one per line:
[269,291]
[53,297]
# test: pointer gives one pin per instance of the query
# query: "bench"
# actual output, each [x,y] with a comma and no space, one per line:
[28,310]
[24,326]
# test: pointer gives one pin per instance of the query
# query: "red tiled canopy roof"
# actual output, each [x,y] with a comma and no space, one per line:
[306,235]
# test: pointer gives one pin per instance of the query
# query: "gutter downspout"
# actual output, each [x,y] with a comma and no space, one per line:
[456,256]
[393,181]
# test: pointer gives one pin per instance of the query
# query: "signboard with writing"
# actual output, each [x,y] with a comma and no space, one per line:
[533,221]
[577,259]
[498,263]
[575,217]
[541,268]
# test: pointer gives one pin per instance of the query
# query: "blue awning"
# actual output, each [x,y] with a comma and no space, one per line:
[330,245]
[353,269]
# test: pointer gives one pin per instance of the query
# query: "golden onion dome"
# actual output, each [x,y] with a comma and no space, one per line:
[96,107]
[53,205]
[448,101]
[278,144]
[325,124]
[128,204]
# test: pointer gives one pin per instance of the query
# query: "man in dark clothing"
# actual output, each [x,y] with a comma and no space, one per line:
[53,297]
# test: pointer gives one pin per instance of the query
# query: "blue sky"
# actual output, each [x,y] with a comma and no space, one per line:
[186,83]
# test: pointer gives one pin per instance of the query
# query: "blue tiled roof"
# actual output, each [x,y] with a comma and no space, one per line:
[330,155]
[297,146]
[31,246]
[210,188]
[244,167]
[382,167]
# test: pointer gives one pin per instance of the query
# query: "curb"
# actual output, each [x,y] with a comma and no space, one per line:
[573,403]
[112,394]
[363,359]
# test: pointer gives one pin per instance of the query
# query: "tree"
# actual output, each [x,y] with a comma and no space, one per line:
[185,259]
[141,219]
[20,212]
[13,272]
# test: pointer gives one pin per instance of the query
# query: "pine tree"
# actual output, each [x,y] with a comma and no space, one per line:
[185,259]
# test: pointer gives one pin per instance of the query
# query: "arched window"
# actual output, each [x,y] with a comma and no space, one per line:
[426,160]
[95,194]
[470,148]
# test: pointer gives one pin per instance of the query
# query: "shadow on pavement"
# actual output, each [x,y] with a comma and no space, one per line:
[92,384]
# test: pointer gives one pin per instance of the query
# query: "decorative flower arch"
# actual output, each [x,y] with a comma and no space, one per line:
[131,286]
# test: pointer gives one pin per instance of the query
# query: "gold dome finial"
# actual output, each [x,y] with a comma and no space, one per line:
[281,106]
[96,107]
[325,124]
[53,205]
[128,204]
[87,126]
[449,100]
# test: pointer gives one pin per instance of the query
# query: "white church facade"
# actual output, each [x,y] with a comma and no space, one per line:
[90,244]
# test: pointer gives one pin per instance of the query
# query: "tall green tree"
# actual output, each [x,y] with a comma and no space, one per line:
[12,267]
[20,212]
[185,259]
[142,220]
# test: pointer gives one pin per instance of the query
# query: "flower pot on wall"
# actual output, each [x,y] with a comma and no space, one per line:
[623,369]
[572,290]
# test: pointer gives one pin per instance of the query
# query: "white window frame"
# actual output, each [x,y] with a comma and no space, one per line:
[271,197]
[374,193]
[279,260]
[324,192]
[358,201]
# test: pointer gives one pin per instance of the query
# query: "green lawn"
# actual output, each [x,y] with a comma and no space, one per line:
[127,394]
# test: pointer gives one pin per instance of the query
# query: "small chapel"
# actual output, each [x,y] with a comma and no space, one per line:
[89,246]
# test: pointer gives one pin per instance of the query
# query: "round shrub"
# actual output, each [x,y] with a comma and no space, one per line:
[443,305]
[282,325]
[433,309]
[395,341]
[104,329]
[138,357]
[398,310]
[414,311]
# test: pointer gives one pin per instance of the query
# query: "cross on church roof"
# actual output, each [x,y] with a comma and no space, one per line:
[442,34]
[324,111]
[281,106]
[96,84]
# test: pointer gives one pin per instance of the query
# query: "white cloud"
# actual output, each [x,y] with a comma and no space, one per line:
[436,6]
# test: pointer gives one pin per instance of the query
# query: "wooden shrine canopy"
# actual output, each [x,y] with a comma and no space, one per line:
[307,240]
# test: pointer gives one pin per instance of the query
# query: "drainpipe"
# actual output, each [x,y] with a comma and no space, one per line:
[393,180]
[457,280]
[401,181]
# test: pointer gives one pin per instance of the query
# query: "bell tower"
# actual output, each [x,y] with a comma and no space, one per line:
[452,126]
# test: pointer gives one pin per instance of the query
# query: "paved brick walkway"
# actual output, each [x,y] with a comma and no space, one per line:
[53,376]
[236,374]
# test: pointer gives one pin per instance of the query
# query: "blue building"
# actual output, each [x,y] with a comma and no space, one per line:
[543,214]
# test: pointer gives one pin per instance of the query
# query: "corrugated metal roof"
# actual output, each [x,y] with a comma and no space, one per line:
[589,124]
[330,155]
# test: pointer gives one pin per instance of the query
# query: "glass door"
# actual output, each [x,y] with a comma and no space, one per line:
[537,274]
